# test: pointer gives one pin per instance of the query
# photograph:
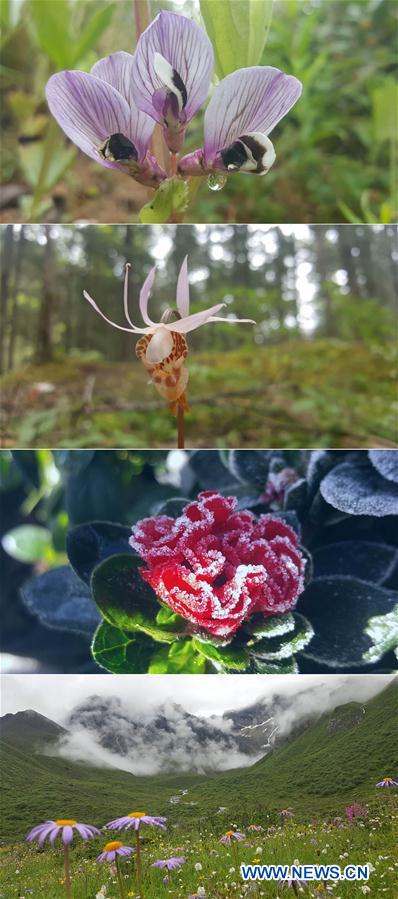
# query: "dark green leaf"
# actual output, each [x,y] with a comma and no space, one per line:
[372,562]
[61,600]
[119,653]
[121,594]
[223,657]
[89,544]
[340,610]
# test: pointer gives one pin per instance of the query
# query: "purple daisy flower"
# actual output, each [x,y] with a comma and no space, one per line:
[98,112]
[171,73]
[230,835]
[169,863]
[294,883]
[255,827]
[244,109]
[135,819]
[286,813]
[63,826]
[387,782]
[112,849]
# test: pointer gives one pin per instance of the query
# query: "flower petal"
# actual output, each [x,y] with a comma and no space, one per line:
[132,330]
[248,100]
[183,290]
[183,44]
[159,346]
[145,293]
[89,111]
[116,70]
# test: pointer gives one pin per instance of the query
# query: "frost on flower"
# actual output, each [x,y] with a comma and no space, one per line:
[216,566]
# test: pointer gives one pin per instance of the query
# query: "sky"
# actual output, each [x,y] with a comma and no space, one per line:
[56,695]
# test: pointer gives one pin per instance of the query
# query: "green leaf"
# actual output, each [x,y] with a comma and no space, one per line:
[170,199]
[119,653]
[180,658]
[385,100]
[383,631]
[282,647]
[287,666]
[120,592]
[238,31]
[52,23]
[28,543]
[128,602]
[270,627]
[222,657]
[93,30]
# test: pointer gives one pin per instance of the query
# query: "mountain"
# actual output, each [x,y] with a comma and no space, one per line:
[29,726]
[182,741]
[334,760]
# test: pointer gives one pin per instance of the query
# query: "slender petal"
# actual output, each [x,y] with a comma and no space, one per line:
[145,293]
[187,49]
[67,835]
[183,290]
[160,346]
[200,318]
[132,330]
[248,100]
[54,834]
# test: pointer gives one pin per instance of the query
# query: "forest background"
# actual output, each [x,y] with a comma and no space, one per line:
[323,299]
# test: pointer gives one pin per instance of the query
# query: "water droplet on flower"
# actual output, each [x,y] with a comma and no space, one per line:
[216,182]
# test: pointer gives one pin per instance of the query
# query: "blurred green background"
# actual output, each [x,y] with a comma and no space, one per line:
[336,151]
[317,369]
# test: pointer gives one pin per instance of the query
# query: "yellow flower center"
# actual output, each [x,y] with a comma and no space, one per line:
[388,779]
[114,844]
[137,815]
[65,822]
[229,833]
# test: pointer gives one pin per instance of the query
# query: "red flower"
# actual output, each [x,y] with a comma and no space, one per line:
[216,567]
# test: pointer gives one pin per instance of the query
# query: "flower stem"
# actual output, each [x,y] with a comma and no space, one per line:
[68,885]
[138,863]
[173,164]
[119,877]
[180,427]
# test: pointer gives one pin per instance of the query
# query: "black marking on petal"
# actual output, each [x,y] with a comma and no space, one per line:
[118,148]
[256,149]
[179,84]
[246,149]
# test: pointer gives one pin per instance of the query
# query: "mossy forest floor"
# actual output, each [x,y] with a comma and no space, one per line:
[315,393]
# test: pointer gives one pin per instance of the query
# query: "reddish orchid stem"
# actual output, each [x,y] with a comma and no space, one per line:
[180,427]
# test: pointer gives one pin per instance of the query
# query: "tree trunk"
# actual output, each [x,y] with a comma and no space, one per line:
[44,332]
[4,287]
[14,299]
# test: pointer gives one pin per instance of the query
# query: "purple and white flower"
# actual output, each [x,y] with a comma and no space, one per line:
[171,73]
[136,820]
[387,782]
[169,863]
[231,835]
[113,849]
[245,107]
[63,826]
[97,110]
